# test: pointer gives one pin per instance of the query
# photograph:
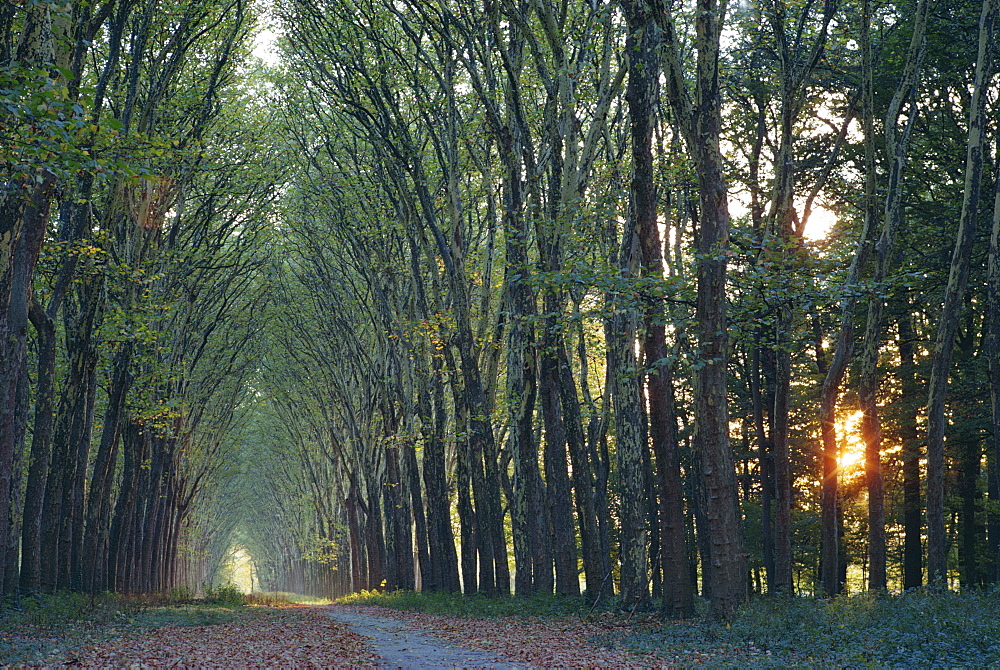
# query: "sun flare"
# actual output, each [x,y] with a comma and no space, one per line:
[852,452]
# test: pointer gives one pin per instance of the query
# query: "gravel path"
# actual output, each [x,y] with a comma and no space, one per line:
[402,645]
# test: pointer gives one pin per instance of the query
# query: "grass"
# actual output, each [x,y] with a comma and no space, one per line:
[45,628]
[279,598]
[915,629]
[454,604]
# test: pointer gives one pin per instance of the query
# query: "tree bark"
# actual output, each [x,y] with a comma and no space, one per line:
[993,359]
[910,454]
[896,150]
[937,568]
[701,123]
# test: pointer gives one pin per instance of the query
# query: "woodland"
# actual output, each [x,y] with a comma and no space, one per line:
[654,302]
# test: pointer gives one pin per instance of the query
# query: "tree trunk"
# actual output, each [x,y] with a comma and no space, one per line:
[100,492]
[11,577]
[560,495]
[993,358]
[910,454]
[764,457]
[831,531]
[596,565]
[937,569]
[468,522]
[641,94]
[24,214]
[442,543]
[527,525]
[896,151]
[41,450]
[701,122]
[134,448]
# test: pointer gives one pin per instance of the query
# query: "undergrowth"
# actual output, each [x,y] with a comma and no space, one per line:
[42,629]
[280,598]
[455,604]
[915,629]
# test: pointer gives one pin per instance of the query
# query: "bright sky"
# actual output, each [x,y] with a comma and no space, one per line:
[821,220]
[263,47]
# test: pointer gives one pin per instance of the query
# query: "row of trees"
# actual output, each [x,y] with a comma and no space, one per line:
[517,296]
[134,229]
[459,287]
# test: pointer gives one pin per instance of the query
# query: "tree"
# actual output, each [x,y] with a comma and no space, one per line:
[954,293]
[700,121]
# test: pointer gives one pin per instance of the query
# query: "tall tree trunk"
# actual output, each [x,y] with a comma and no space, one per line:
[968,528]
[526,506]
[12,568]
[910,454]
[100,492]
[954,294]
[134,448]
[411,473]
[622,326]
[678,598]
[74,220]
[896,151]
[559,495]
[701,122]
[641,95]
[764,457]
[469,533]
[24,214]
[596,565]
[41,450]
[795,69]
[993,358]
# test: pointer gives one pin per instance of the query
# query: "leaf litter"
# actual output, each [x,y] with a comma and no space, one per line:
[305,637]
[276,637]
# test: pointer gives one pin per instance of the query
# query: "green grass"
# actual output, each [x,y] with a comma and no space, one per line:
[45,628]
[278,598]
[916,629]
[454,604]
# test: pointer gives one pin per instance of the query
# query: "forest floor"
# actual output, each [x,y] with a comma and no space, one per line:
[192,635]
[421,640]
[918,629]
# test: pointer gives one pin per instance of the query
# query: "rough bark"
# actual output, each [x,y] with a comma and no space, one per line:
[910,454]
[958,276]
[993,359]
[701,123]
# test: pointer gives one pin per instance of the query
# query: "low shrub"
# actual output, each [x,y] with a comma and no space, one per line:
[225,594]
[263,599]
[456,604]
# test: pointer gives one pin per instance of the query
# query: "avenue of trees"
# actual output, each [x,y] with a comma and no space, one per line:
[514,296]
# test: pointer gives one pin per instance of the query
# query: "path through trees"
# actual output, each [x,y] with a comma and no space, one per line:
[505,298]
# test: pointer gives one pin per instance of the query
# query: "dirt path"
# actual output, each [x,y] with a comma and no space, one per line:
[356,636]
[500,642]
[403,645]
